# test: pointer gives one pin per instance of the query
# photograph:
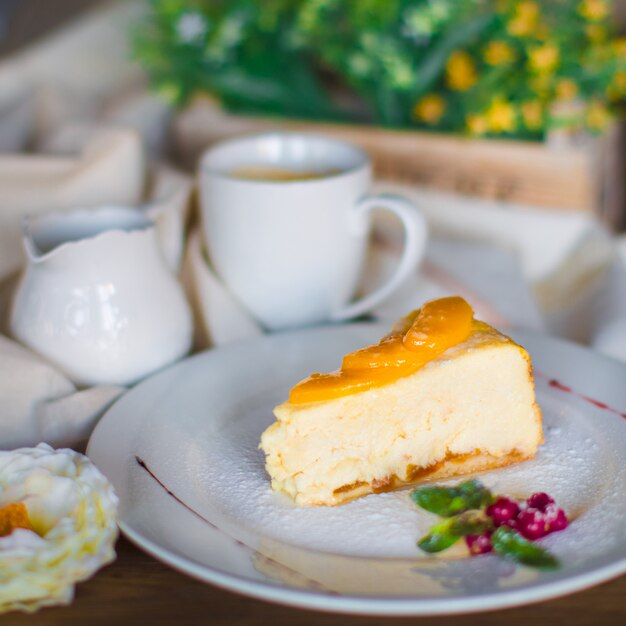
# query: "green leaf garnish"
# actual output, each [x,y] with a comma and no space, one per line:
[449,501]
[510,544]
[448,532]
[439,538]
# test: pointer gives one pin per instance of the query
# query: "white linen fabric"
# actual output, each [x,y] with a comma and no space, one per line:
[219,318]
[16,114]
[73,73]
[38,403]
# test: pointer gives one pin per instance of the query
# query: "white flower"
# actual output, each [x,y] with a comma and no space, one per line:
[401,73]
[191,27]
[231,30]
[72,509]
[228,36]
[426,19]
[418,23]
[371,42]
[359,64]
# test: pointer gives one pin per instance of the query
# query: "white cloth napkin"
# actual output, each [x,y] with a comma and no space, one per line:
[489,278]
[608,311]
[81,73]
[17,110]
[219,318]
[547,242]
[72,72]
[167,203]
[564,258]
[40,404]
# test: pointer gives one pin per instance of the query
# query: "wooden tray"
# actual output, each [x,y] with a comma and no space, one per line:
[578,173]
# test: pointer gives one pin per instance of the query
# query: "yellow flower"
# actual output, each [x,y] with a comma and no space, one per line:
[595,33]
[476,124]
[617,87]
[598,116]
[593,10]
[566,89]
[519,27]
[430,109]
[501,116]
[619,47]
[532,113]
[541,84]
[498,52]
[528,9]
[543,59]
[460,71]
[525,20]
[170,92]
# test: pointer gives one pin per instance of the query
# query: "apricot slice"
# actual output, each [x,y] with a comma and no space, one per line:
[416,339]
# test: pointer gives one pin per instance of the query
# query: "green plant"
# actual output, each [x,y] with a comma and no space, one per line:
[482,67]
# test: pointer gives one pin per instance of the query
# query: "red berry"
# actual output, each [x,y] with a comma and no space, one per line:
[479,544]
[533,524]
[503,511]
[555,518]
[539,501]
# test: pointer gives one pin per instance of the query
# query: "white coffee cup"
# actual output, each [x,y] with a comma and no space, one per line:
[292,251]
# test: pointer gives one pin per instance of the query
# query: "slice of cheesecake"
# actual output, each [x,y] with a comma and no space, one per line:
[395,415]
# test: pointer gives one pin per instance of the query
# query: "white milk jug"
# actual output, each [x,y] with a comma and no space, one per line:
[97,298]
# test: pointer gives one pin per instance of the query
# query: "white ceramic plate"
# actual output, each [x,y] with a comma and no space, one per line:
[181,451]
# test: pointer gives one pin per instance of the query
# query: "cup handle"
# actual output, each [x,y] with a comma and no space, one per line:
[415,236]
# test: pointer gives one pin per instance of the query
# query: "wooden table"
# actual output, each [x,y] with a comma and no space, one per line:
[137,590]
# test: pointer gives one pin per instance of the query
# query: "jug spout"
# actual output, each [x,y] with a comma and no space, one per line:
[33,253]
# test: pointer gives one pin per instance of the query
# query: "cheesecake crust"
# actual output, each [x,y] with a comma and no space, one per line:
[451,465]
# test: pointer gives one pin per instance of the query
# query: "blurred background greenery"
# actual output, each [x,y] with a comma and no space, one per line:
[504,68]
